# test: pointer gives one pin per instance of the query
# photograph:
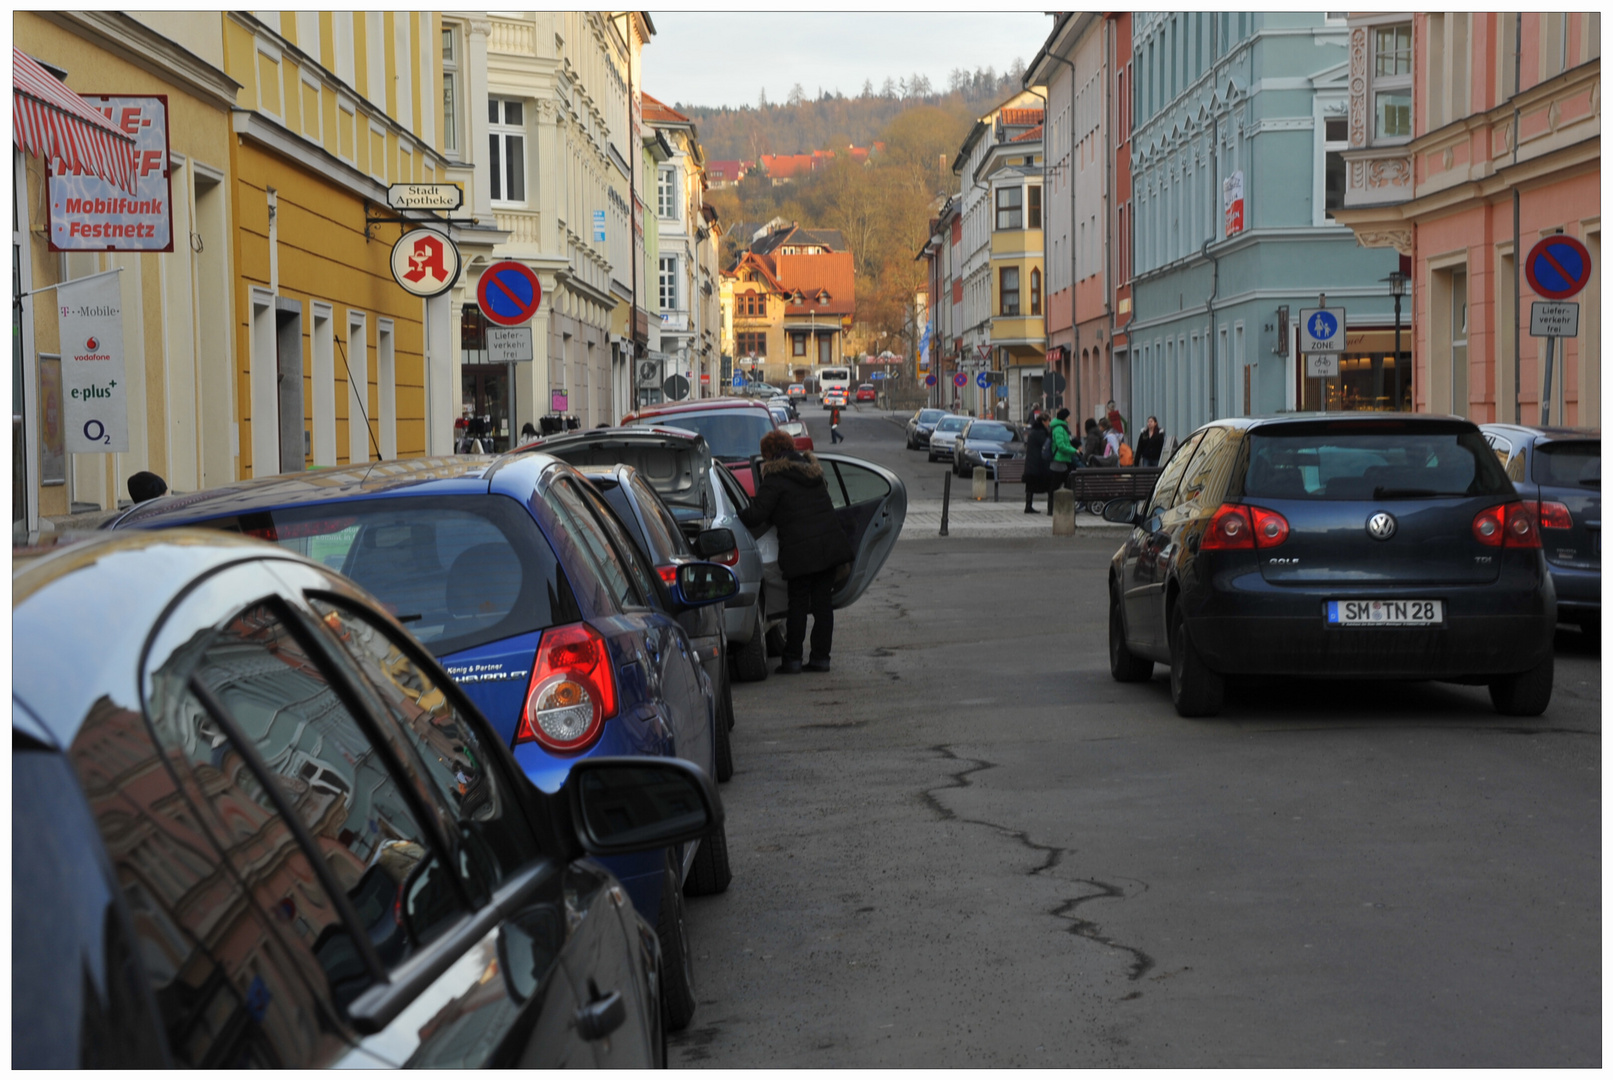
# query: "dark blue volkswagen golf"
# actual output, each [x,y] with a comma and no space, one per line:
[519,578]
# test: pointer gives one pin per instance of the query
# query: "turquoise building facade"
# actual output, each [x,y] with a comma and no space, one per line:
[1239,120]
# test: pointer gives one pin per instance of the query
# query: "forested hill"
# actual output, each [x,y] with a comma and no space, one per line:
[831,120]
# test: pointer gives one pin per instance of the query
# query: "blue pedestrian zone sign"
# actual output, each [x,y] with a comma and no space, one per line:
[1321,330]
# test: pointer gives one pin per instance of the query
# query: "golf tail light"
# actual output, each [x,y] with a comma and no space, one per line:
[572,691]
[1522,530]
[1230,530]
[1554,515]
[1271,528]
[1488,524]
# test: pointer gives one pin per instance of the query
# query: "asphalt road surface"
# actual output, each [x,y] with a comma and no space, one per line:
[967,846]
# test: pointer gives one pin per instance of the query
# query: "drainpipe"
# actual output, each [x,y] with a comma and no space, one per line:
[1075,333]
[1215,263]
[1517,251]
[1109,190]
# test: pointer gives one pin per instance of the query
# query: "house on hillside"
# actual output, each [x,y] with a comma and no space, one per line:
[722,174]
[793,297]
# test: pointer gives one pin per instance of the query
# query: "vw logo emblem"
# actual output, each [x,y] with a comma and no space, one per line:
[1381,526]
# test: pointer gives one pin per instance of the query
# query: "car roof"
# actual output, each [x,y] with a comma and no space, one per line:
[701,405]
[629,433]
[1543,433]
[1388,418]
[82,611]
[459,475]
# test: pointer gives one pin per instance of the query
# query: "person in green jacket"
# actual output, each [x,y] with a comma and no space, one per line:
[1064,455]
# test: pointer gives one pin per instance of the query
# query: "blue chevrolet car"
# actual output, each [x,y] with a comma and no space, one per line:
[521,581]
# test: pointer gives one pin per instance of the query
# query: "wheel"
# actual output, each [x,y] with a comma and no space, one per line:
[750,660]
[775,640]
[1124,665]
[1195,689]
[677,966]
[725,701]
[1526,694]
[710,873]
[723,748]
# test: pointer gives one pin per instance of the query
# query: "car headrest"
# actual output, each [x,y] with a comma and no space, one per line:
[484,580]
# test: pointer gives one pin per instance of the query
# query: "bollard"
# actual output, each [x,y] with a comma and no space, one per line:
[980,483]
[946,500]
[1064,512]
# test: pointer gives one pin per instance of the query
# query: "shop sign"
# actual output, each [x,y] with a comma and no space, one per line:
[425,263]
[559,401]
[95,398]
[509,344]
[87,213]
[425,196]
[1232,203]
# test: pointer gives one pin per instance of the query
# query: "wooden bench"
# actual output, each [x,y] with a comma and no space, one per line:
[1006,471]
[1099,484]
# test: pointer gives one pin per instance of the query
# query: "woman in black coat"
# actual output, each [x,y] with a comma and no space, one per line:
[791,495]
[1038,474]
[1150,443]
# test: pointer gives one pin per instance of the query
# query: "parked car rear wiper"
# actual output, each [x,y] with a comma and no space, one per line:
[1594,482]
[1402,493]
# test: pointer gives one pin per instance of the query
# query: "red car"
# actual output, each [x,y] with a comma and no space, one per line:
[865,392]
[733,428]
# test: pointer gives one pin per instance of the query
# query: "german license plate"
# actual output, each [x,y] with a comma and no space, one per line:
[1385,612]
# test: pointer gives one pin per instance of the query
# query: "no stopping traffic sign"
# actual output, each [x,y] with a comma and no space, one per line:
[508,293]
[1558,267]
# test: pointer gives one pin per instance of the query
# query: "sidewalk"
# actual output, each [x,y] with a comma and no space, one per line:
[988,519]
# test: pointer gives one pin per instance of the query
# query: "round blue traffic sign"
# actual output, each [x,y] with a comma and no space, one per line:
[960,379]
[929,380]
[508,293]
[983,380]
[1323,325]
[1558,267]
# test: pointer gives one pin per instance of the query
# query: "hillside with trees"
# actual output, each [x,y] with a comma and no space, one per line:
[882,207]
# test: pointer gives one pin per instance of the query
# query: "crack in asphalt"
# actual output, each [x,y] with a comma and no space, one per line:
[1052,856]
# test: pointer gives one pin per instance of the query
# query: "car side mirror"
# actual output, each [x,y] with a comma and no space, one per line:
[623,805]
[703,583]
[1125,511]
[711,543]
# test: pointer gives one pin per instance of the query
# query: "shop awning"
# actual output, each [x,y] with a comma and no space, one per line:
[51,121]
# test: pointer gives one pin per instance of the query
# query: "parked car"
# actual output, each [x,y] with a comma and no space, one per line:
[254,824]
[942,436]
[663,545]
[1350,545]
[1560,471]
[834,398]
[919,426]
[782,401]
[983,442]
[733,429]
[523,584]
[865,392]
[701,495]
[796,391]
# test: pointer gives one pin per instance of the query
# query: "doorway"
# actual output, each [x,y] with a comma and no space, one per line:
[289,385]
[485,404]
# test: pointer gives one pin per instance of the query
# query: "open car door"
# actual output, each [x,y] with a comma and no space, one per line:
[871,503]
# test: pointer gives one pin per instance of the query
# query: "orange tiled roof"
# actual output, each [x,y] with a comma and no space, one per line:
[1033,134]
[655,110]
[1021,117]
[833,272]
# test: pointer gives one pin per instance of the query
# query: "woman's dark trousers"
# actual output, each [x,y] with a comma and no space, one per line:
[810,593]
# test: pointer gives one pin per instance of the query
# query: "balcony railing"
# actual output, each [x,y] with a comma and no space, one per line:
[515,38]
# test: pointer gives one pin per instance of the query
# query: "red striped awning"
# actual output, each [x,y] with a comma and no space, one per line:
[51,121]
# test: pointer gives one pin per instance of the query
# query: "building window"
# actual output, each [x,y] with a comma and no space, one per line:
[666,202]
[1008,290]
[1008,207]
[506,150]
[1391,81]
[669,282]
[798,344]
[1335,138]
[751,343]
[752,304]
[1036,290]
[1033,207]
[450,88]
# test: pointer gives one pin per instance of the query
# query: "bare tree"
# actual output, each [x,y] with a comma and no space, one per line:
[797,95]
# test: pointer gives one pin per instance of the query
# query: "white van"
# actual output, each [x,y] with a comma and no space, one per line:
[833,378]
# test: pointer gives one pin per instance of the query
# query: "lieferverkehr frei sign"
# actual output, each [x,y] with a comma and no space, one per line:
[425,196]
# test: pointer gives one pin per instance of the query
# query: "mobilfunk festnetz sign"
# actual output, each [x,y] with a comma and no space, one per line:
[425,196]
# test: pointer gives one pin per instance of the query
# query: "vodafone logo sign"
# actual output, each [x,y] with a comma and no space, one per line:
[92,345]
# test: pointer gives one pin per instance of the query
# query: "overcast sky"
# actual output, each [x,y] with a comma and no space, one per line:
[728,58]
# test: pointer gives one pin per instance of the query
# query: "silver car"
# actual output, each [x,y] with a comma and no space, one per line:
[947,430]
[702,495]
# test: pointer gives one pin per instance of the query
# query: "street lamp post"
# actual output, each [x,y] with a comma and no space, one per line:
[1397,289]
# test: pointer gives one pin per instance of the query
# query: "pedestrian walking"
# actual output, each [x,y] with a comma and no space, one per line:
[1038,462]
[1116,421]
[834,427]
[812,547]
[1150,443]
[1091,443]
[1064,455]
[1112,442]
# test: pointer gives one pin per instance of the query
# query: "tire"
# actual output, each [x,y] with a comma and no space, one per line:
[750,659]
[1525,694]
[677,965]
[1124,665]
[725,702]
[1195,689]
[722,740]
[775,640]
[710,873]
